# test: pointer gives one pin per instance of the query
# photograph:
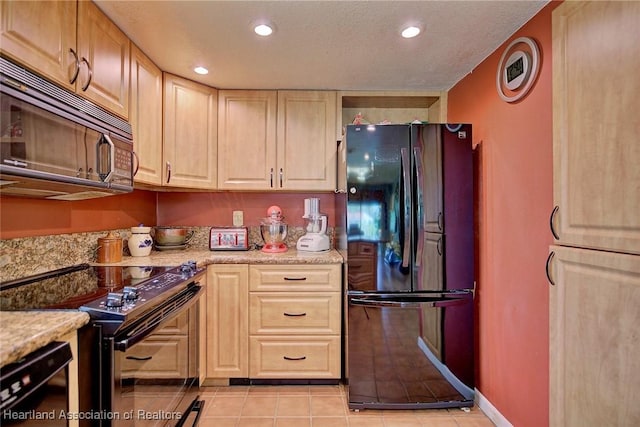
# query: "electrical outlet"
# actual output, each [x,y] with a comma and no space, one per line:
[238,218]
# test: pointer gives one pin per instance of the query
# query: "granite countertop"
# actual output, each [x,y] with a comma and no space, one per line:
[204,257]
[22,332]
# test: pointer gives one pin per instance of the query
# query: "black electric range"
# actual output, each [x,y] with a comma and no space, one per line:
[125,305]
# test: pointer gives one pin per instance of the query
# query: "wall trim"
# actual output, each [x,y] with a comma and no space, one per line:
[490,411]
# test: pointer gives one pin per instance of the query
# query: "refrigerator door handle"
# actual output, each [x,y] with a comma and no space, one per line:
[406,185]
[417,155]
[414,303]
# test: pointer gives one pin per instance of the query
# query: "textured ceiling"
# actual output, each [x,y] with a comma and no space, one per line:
[342,45]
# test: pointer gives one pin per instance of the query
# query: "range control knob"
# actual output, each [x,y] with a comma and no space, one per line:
[114,300]
[188,269]
[131,293]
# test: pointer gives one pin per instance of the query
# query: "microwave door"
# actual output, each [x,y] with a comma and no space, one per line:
[42,141]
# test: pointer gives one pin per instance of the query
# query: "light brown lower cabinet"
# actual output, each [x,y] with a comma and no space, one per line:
[273,321]
[295,318]
[593,342]
[227,316]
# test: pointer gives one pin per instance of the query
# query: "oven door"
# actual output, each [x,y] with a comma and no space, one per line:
[150,373]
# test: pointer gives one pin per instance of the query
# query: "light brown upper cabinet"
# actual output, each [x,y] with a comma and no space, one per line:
[190,134]
[146,117]
[74,45]
[596,151]
[277,140]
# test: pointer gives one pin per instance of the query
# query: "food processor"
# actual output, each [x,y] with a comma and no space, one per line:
[273,230]
[316,238]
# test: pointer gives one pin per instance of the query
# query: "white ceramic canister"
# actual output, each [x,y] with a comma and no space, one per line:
[140,241]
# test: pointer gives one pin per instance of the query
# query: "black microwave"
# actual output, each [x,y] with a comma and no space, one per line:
[57,145]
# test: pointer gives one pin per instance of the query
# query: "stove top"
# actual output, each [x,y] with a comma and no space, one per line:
[102,291]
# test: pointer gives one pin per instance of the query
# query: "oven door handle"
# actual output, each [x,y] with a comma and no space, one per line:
[196,406]
[151,321]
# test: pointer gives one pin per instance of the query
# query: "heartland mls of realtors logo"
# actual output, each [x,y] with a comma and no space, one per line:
[139,414]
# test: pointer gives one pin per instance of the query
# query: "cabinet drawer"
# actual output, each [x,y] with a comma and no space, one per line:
[287,313]
[157,358]
[294,277]
[294,357]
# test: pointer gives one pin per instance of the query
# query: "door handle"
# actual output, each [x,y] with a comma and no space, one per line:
[551,217]
[547,266]
[73,79]
[414,303]
[105,156]
[406,250]
[90,71]
[137,159]
[417,155]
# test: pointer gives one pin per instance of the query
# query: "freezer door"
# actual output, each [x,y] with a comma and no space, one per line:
[409,351]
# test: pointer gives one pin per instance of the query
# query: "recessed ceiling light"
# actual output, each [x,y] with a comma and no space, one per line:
[201,70]
[263,30]
[410,32]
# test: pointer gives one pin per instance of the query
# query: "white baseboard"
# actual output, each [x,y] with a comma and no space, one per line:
[490,411]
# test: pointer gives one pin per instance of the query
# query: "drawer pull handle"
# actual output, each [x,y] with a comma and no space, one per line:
[295,278]
[295,358]
[139,358]
[294,314]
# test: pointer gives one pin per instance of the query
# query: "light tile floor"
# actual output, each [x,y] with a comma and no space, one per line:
[317,406]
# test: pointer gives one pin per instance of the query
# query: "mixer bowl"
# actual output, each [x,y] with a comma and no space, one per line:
[273,233]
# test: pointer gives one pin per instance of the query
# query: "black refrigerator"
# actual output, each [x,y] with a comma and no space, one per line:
[410,266]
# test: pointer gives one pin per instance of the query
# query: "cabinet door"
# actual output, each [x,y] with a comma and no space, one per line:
[190,134]
[596,155]
[146,117]
[227,321]
[106,49]
[40,35]
[247,140]
[594,346]
[307,147]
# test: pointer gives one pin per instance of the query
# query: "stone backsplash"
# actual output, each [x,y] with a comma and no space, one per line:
[22,257]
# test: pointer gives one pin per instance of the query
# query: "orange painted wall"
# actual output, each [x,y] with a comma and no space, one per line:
[515,198]
[207,209]
[23,217]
